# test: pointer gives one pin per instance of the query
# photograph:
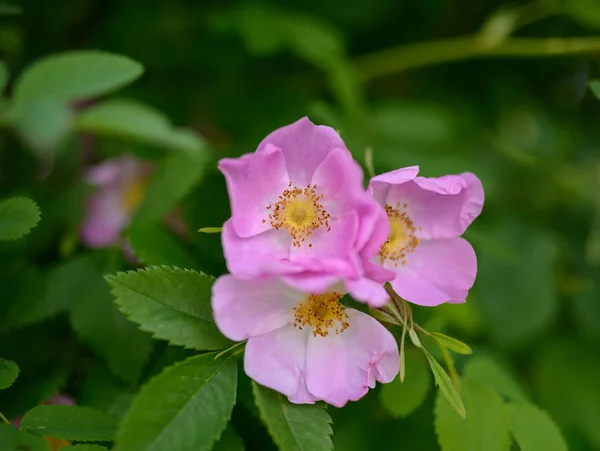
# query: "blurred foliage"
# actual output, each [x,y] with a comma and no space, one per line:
[499,89]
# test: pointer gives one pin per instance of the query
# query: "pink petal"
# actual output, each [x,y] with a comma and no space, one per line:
[247,308]
[368,291]
[305,146]
[104,173]
[105,219]
[277,360]
[438,271]
[380,184]
[264,254]
[342,367]
[440,207]
[254,182]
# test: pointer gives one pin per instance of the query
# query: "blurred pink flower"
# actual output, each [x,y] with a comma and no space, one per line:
[56,399]
[299,210]
[427,216]
[121,185]
[306,346]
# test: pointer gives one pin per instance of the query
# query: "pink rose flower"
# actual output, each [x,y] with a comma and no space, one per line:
[121,186]
[306,346]
[299,210]
[427,216]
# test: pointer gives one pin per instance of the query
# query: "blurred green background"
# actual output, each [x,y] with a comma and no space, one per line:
[488,90]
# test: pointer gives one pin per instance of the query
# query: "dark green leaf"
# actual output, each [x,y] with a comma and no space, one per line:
[12,439]
[171,303]
[70,423]
[8,373]
[402,399]
[4,76]
[534,430]
[186,407]
[137,121]
[229,441]
[452,343]
[17,217]
[75,75]
[447,389]
[84,447]
[595,87]
[152,244]
[489,372]
[294,427]
[486,427]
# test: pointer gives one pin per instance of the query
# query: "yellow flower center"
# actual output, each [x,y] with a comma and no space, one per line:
[134,193]
[402,239]
[322,312]
[300,212]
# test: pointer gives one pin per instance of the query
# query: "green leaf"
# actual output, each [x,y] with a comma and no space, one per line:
[402,399]
[595,88]
[17,217]
[152,244]
[229,441]
[84,447]
[210,230]
[452,343]
[13,439]
[186,407]
[294,427]
[9,371]
[534,430]
[172,181]
[133,120]
[414,338]
[43,123]
[447,389]
[4,76]
[517,312]
[171,303]
[486,427]
[75,75]
[488,371]
[71,423]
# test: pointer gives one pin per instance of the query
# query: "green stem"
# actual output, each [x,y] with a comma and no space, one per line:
[3,418]
[401,58]
[450,364]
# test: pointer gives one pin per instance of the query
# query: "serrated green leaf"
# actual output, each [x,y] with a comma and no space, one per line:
[452,343]
[186,407]
[9,371]
[75,75]
[171,303]
[172,181]
[13,439]
[84,447]
[489,372]
[18,216]
[402,399]
[486,427]
[152,244]
[595,88]
[70,423]
[133,120]
[447,388]
[534,430]
[294,427]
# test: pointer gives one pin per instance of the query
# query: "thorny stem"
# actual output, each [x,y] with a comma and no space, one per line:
[3,418]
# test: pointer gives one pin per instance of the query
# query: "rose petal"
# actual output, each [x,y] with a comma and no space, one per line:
[380,184]
[247,308]
[342,367]
[438,271]
[104,220]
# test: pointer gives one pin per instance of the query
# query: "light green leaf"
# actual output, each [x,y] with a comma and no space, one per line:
[294,427]
[152,244]
[43,123]
[382,316]
[210,230]
[9,371]
[171,303]
[595,88]
[133,120]
[75,75]
[17,217]
[534,430]
[414,338]
[186,407]
[172,181]
[402,399]
[12,439]
[70,423]
[486,427]
[447,389]
[452,343]
[489,372]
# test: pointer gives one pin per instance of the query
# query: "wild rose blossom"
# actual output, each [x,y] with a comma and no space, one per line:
[121,185]
[306,346]
[427,216]
[299,210]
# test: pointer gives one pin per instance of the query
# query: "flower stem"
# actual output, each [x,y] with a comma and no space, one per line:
[3,418]
[405,57]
